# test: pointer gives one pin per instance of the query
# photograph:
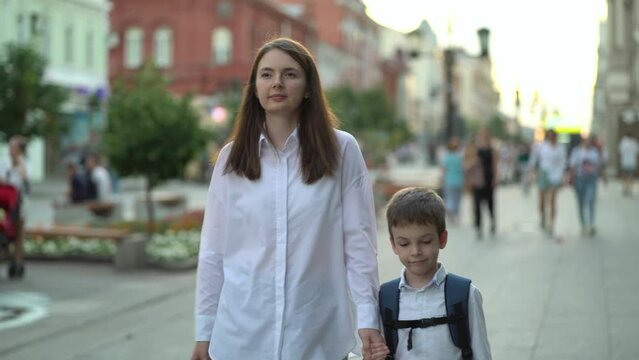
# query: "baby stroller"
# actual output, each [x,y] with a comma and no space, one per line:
[9,217]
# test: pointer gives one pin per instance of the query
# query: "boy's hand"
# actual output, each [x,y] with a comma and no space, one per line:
[201,351]
[373,345]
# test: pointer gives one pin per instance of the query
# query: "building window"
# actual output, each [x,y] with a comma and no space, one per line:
[222,46]
[22,30]
[285,29]
[68,44]
[163,47]
[224,9]
[134,39]
[35,27]
[89,50]
[46,38]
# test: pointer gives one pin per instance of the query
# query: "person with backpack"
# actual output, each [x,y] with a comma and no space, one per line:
[428,313]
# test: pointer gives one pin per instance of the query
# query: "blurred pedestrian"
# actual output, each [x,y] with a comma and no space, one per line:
[586,166]
[506,162]
[76,184]
[523,156]
[15,172]
[289,227]
[480,166]
[628,159]
[98,179]
[453,179]
[548,163]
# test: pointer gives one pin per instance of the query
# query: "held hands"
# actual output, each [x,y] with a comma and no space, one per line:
[201,351]
[373,345]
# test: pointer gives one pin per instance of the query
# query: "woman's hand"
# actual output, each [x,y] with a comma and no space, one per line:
[201,351]
[373,345]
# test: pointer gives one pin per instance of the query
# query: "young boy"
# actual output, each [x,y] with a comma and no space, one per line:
[417,226]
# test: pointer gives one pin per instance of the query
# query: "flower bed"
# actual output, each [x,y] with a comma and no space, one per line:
[175,244]
[174,249]
[69,248]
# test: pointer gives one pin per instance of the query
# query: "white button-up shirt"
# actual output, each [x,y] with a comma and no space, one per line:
[551,159]
[278,256]
[435,342]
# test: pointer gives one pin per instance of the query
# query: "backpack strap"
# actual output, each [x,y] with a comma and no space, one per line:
[389,309]
[456,291]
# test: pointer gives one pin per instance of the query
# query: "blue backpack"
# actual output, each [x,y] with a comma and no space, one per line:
[456,290]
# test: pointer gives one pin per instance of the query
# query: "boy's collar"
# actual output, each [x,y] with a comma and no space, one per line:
[438,278]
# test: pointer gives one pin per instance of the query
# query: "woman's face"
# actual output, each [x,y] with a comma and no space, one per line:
[14,148]
[280,84]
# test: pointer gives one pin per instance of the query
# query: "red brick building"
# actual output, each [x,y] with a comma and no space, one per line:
[347,49]
[204,46]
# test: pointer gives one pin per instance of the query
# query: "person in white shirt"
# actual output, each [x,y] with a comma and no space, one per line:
[99,179]
[628,158]
[15,172]
[289,232]
[417,227]
[548,161]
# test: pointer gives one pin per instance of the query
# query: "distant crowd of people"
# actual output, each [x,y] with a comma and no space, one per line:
[480,166]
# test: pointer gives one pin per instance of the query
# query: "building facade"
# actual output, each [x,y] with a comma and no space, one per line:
[419,94]
[204,47]
[72,35]
[476,95]
[616,102]
[347,49]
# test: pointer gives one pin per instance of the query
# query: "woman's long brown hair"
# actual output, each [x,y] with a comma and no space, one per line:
[318,143]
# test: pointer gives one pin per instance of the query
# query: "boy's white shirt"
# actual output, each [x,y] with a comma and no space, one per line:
[435,342]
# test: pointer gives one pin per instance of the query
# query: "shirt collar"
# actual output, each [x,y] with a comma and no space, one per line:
[293,138]
[437,280]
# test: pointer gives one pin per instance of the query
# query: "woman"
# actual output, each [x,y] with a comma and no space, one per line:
[481,166]
[586,166]
[452,170]
[289,225]
[548,163]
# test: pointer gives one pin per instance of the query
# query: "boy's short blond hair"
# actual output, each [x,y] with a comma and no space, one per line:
[416,206]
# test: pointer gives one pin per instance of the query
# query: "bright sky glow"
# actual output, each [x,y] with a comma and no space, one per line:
[549,46]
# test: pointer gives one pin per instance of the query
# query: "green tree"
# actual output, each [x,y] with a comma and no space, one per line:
[497,127]
[150,132]
[28,106]
[370,117]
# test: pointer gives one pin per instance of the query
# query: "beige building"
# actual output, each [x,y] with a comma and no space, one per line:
[477,97]
[419,96]
[616,98]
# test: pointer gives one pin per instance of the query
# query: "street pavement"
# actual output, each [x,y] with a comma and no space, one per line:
[545,297]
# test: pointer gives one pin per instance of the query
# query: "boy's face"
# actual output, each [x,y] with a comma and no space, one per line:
[418,249]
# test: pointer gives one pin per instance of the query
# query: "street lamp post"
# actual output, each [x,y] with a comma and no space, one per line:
[451,106]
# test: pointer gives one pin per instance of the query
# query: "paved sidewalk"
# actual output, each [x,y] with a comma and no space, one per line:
[545,298]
